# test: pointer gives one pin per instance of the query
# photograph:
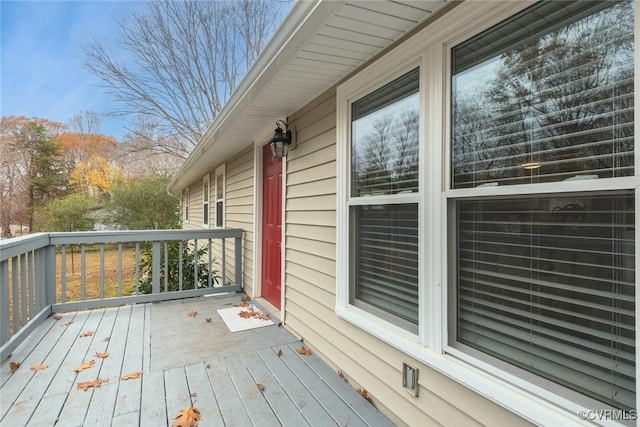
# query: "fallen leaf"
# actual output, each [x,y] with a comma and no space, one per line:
[304,351]
[194,394]
[343,376]
[260,386]
[86,334]
[188,417]
[245,314]
[244,304]
[131,376]
[208,366]
[279,353]
[87,384]
[14,366]
[67,324]
[263,316]
[245,298]
[85,365]
[57,316]
[107,339]
[101,355]
[39,367]
[208,319]
[364,394]
[192,313]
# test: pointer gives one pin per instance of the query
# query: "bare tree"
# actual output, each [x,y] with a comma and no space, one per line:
[184,59]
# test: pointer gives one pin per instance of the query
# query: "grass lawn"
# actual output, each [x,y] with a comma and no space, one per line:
[92,273]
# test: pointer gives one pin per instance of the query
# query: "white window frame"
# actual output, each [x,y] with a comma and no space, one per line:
[186,199]
[430,49]
[206,200]
[220,198]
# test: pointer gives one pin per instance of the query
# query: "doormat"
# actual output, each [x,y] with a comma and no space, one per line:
[244,318]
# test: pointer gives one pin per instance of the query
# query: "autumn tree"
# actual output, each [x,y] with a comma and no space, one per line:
[69,213]
[183,60]
[35,171]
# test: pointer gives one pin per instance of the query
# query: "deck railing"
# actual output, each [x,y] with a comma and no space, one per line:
[44,273]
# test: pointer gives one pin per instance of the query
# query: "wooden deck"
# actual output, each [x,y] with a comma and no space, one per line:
[185,361]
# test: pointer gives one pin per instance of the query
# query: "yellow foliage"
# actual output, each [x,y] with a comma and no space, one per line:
[94,176]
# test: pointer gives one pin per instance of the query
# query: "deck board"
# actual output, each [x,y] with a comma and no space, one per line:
[218,375]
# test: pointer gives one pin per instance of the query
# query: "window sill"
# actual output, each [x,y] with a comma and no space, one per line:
[517,395]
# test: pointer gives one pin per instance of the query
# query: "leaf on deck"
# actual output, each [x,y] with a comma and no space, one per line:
[57,316]
[101,355]
[364,394]
[244,304]
[14,366]
[86,334]
[208,319]
[131,376]
[279,353]
[260,386]
[88,384]
[192,313]
[67,324]
[85,365]
[39,367]
[304,351]
[188,417]
[245,298]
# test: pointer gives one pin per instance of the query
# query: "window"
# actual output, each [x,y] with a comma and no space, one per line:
[186,199]
[545,281]
[220,172]
[487,186]
[383,201]
[206,183]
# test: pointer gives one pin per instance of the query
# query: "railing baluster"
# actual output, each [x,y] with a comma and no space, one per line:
[31,270]
[4,303]
[209,264]
[16,297]
[63,273]
[50,274]
[223,273]
[102,271]
[155,268]
[238,260]
[83,272]
[196,263]
[166,266]
[119,269]
[23,294]
[180,249]
[137,268]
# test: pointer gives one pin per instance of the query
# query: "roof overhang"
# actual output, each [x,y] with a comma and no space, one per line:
[318,44]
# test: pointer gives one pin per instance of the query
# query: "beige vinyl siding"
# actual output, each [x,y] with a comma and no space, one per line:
[239,211]
[310,285]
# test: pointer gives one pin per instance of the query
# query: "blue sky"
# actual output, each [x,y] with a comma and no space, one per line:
[42,72]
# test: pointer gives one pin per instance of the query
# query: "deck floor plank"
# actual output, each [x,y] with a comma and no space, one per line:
[16,383]
[39,382]
[129,391]
[111,341]
[231,407]
[255,404]
[278,398]
[220,377]
[202,396]
[341,413]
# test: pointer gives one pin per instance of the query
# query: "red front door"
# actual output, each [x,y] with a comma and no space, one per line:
[271,226]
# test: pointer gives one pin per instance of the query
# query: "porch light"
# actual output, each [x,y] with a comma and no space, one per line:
[282,141]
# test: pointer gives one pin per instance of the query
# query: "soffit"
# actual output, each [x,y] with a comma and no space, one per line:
[317,45]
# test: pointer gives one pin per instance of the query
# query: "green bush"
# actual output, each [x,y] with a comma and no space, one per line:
[172,272]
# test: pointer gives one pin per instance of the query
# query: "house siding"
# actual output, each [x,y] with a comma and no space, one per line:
[310,283]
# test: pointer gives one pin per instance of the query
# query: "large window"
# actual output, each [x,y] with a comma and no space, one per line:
[220,178]
[206,194]
[546,282]
[383,204]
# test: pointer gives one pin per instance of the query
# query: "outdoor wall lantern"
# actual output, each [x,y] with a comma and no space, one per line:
[282,141]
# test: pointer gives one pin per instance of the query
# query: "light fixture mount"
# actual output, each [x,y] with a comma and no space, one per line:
[283,140]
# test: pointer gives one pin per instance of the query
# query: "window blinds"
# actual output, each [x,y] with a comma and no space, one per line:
[546,99]
[548,284]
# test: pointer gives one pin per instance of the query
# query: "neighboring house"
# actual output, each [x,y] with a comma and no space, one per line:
[460,202]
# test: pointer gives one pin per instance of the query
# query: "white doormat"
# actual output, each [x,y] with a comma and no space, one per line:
[244,318]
